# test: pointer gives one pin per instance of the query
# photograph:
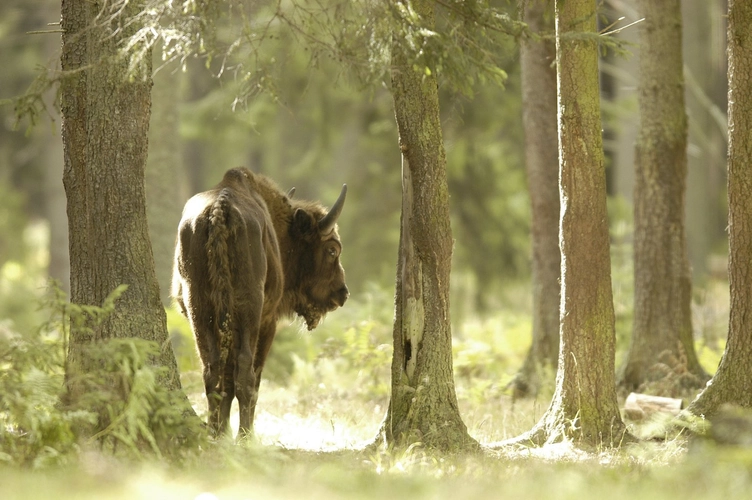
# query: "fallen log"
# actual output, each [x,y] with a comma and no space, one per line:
[639,406]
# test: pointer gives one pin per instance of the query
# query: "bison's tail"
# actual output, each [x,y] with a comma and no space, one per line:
[220,278]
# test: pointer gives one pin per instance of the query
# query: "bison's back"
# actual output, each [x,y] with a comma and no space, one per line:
[227,255]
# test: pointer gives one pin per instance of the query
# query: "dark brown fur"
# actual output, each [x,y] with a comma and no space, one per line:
[246,255]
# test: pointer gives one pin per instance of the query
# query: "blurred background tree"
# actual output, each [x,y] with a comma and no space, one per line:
[303,122]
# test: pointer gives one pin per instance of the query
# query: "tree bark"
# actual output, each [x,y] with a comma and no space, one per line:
[584,405]
[732,383]
[105,125]
[423,406]
[542,164]
[662,330]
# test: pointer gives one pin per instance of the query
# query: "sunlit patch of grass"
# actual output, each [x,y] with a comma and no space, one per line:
[325,425]
[710,315]
[501,418]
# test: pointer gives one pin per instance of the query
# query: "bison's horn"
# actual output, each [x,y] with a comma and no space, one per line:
[291,193]
[326,224]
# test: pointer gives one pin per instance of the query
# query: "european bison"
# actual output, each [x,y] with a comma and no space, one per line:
[246,255]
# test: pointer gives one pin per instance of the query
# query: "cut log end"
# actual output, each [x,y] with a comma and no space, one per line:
[640,406]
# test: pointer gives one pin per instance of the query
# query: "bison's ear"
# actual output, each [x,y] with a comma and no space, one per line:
[303,224]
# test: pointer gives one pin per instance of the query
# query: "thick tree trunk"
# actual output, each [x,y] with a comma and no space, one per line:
[423,406]
[732,383]
[662,331]
[584,405]
[542,163]
[105,124]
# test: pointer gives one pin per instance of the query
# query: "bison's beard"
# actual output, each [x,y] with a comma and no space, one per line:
[311,314]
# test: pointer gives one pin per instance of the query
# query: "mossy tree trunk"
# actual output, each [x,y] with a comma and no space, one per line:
[662,332]
[423,406]
[584,405]
[732,382]
[105,126]
[539,120]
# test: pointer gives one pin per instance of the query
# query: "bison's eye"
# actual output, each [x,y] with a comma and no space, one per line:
[332,253]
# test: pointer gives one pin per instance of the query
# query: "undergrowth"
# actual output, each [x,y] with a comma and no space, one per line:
[323,397]
[123,408]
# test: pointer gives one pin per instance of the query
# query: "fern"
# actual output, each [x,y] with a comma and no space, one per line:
[124,409]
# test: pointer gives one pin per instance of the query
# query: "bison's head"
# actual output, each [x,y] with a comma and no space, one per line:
[320,280]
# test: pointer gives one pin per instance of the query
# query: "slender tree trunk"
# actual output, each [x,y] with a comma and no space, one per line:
[732,382]
[165,192]
[584,405]
[105,125]
[661,356]
[539,119]
[423,406]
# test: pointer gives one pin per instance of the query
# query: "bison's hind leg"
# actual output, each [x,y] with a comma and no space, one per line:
[246,337]
[211,387]
[245,387]
[209,354]
[227,391]
[207,342]
[248,283]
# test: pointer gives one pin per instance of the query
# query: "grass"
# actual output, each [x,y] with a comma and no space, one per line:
[645,471]
[325,399]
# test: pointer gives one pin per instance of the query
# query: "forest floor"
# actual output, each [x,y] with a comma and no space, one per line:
[311,450]
[326,401]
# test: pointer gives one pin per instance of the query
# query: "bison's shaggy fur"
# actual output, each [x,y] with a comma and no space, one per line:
[246,255]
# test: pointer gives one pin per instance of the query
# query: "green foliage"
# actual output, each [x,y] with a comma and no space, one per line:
[462,48]
[22,280]
[181,338]
[485,170]
[42,424]
[349,353]
[12,223]
[34,428]
[137,416]
[487,353]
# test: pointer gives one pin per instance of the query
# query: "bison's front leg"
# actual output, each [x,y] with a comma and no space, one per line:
[264,344]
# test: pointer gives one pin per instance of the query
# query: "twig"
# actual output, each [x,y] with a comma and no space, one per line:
[44,32]
[619,30]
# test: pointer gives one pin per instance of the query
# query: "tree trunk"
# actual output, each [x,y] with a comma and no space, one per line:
[423,406]
[105,125]
[732,383]
[662,331]
[539,121]
[584,405]
[165,192]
